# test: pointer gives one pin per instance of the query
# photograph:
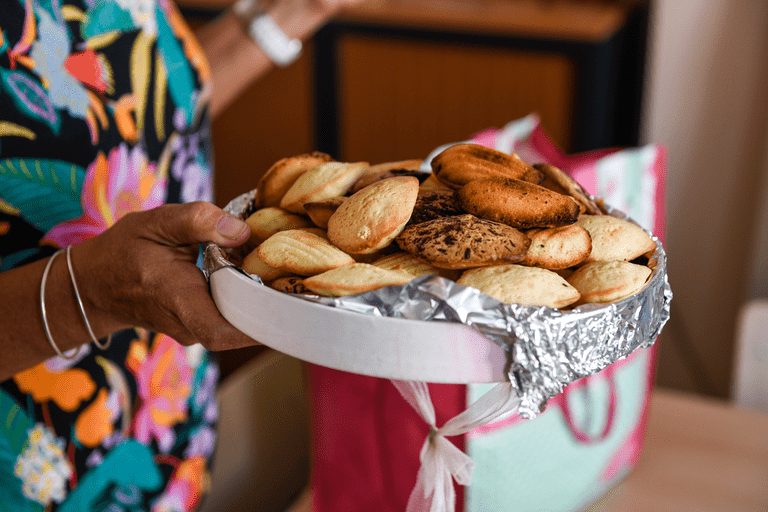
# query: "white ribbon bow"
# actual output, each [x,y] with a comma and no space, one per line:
[440,459]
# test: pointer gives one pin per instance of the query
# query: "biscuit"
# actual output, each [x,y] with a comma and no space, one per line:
[433,204]
[462,163]
[324,181]
[432,183]
[265,222]
[516,284]
[301,252]
[517,203]
[557,248]
[292,284]
[608,281]
[321,211]
[407,263]
[354,279]
[560,182]
[464,241]
[371,218]
[389,170]
[253,264]
[282,175]
[615,239]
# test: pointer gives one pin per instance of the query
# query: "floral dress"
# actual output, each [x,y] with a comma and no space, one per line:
[102,112]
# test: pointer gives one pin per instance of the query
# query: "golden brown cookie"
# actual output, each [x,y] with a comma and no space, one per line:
[462,163]
[608,281]
[464,241]
[517,203]
[253,264]
[560,182]
[432,183]
[516,284]
[292,284]
[386,170]
[557,248]
[268,221]
[372,217]
[321,211]
[282,175]
[433,204]
[301,252]
[324,181]
[354,279]
[615,239]
[407,263]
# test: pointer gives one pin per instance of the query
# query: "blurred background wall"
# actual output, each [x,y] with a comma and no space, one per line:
[707,101]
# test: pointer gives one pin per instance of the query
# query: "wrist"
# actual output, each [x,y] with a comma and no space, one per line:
[276,31]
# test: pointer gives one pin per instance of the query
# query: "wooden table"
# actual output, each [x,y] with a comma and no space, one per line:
[700,455]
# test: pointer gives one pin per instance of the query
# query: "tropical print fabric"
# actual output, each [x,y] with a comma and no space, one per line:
[102,112]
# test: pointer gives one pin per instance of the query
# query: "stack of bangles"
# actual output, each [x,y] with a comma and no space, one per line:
[102,346]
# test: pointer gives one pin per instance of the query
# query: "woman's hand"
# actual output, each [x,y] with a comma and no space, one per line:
[142,272]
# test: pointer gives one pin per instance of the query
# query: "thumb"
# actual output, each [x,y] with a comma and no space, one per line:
[193,223]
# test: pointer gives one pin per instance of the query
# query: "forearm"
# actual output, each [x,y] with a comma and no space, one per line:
[23,341]
[236,61]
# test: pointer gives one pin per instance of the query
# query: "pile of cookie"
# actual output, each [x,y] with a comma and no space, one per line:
[523,234]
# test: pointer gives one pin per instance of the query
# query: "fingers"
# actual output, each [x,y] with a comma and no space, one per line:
[206,324]
[191,223]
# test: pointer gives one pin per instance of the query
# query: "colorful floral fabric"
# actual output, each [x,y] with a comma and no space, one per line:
[102,112]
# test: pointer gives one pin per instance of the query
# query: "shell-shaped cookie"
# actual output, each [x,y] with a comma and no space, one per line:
[291,284]
[432,183]
[407,263]
[615,239]
[372,217]
[283,174]
[321,211]
[464,241]
[608,281]
[517,203]
[265,222]
[354,279]
[301,252]
[433,204]
[326,180]
[386,170]
[558,181]
[462,163]
[557,248]
[516,284]
[253,264]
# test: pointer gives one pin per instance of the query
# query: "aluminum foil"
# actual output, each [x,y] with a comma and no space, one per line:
[548,348]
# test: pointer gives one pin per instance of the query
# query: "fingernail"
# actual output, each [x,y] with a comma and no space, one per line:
[231,227]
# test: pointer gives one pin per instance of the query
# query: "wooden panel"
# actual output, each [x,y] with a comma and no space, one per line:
[401,99]
[271,120]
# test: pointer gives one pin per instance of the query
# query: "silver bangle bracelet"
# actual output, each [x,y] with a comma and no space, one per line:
[43,310]
[262,29]
[82,308]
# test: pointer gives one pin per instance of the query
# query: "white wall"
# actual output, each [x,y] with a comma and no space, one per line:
[707,101]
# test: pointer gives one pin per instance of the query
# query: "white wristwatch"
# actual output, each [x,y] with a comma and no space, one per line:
[261,27]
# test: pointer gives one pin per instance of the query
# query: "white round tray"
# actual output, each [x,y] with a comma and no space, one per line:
[393,348]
